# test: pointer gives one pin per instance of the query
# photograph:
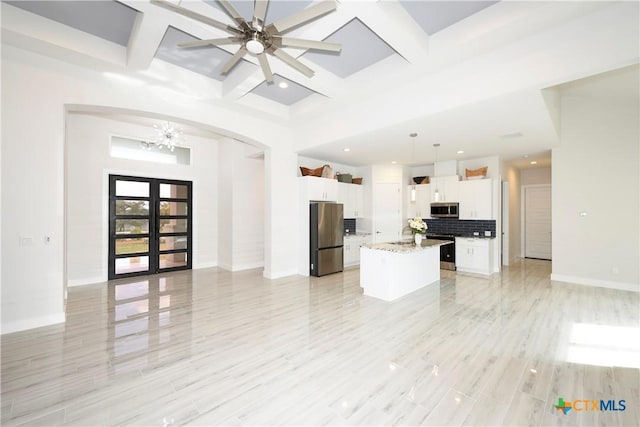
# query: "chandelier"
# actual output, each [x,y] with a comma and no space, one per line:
[167,135]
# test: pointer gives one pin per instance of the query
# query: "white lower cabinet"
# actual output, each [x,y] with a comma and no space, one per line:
[474,255]
[351,249]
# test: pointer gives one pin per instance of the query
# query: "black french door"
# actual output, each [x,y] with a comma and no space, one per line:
[150,225]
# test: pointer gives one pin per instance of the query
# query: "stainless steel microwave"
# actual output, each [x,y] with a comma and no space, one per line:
[444,210]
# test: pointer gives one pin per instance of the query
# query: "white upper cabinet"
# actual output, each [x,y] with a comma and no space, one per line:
[319,189]
[476,200]
[352,197]
[421,207]
[444,188]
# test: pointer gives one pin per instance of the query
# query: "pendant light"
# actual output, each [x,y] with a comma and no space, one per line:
[436,193]
[413,158]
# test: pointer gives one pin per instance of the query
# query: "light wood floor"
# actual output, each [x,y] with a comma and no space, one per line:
[210,347]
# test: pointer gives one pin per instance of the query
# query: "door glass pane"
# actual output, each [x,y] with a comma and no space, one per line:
[132,188]
[132,207]
[173,242]
[173,191]
[132,264]
[132,246]
[173,208]
[132,226]
[173,260]
[173,225]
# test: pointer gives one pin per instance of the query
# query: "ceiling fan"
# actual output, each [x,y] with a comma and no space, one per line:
[256,38]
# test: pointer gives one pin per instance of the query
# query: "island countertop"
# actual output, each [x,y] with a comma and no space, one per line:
[407,246]
[392,270]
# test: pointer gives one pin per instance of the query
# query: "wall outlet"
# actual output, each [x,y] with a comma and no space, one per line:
[476,233]
[487,233]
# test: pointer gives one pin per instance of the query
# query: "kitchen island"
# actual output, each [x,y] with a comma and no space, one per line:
[392,270]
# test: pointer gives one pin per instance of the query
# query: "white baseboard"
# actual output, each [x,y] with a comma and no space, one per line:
[86,281]
[36,322]
[278,274]
[633,287]
[251,266]
[205,265]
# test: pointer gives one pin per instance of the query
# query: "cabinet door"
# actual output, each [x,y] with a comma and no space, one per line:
[420,208]
[344,197]
[451,188]
[423,201]
[484,198]
[476,200]
[330,189]
[444,189]
[357,200]
[467,200]
[412,206]
[464,260]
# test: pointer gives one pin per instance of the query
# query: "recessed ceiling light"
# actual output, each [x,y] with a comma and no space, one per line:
[534,162]
[283,85]
[346,150]
[460,151]
[393,162]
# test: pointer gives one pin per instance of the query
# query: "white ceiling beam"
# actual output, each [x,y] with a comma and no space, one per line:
[148,31]
[33,32]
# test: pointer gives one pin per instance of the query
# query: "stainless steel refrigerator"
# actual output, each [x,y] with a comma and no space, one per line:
[326,242]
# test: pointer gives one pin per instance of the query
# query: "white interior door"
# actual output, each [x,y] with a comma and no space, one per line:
[505,223]
[387,208]
[537,214]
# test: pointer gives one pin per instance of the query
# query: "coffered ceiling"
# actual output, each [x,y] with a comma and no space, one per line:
[465,74]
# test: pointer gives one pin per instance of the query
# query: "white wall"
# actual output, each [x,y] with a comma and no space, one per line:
[37,91]
[535,176]
[88,167]
[492,163]
[512,176]
[241,207]
[595,172]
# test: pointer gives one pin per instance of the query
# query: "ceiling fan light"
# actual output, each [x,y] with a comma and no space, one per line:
[254,46]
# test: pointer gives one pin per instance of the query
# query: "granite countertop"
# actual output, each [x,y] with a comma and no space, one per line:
[357,234]
[407,246]
[471,236]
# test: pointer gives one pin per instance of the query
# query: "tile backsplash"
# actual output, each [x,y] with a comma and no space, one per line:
[459,227]
[349,225]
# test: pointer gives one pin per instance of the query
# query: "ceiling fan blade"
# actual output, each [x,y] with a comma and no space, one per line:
[260,11]
[291,61]
[211,42]
[234,60]
[194,15]
[266,70]
[306,44]
[301,17]
[233,13]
